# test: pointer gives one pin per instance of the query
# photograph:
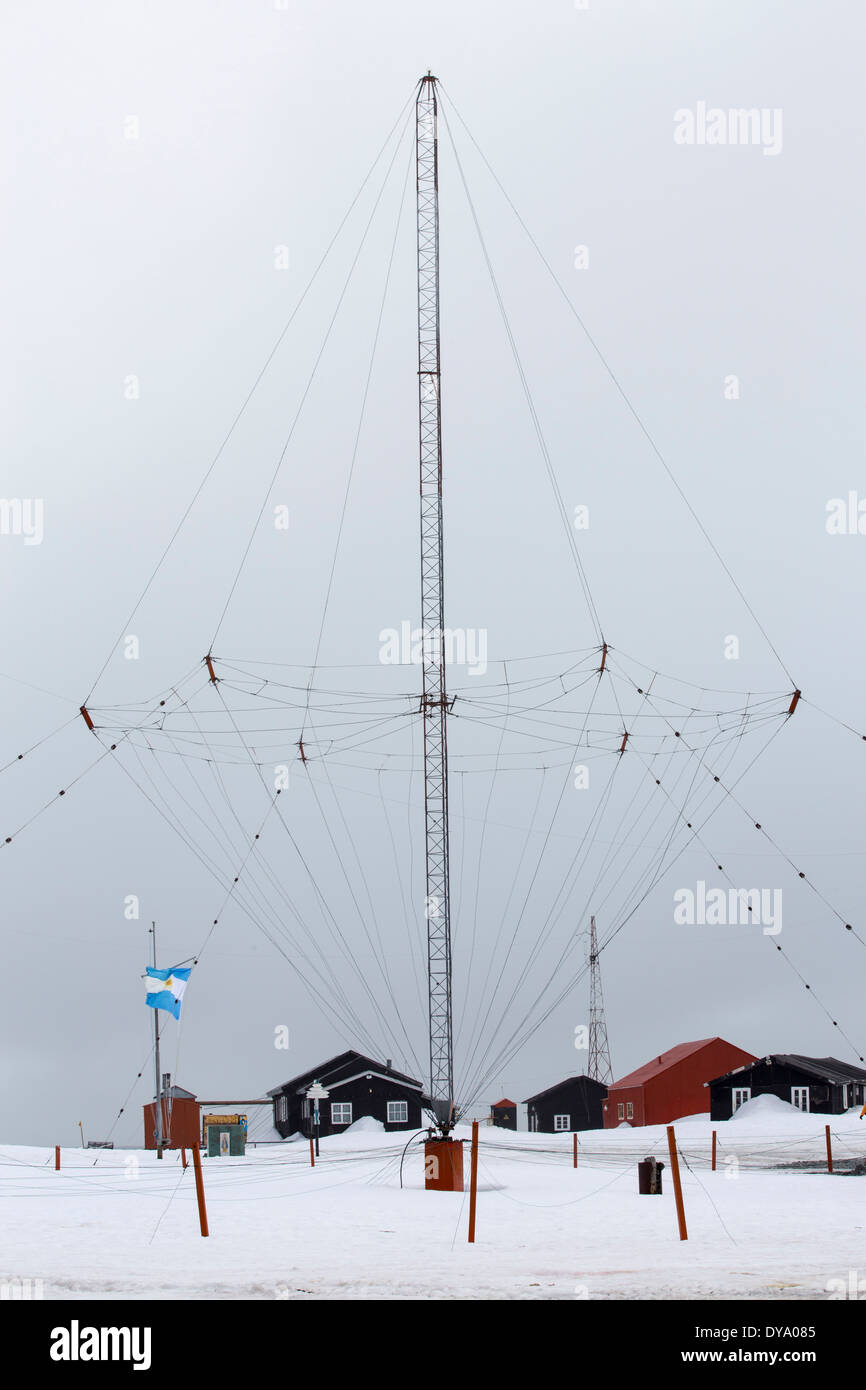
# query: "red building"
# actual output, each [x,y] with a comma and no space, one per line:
[181,1125]
[671,1085]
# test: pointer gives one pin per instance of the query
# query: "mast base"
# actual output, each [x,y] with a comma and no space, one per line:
[443,1165]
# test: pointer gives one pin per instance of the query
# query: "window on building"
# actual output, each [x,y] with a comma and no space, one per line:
[800,1097]
[629,1110]
[282,1108]
[740,1095]
[620,1111]
[561,1122]
[341,1112]
[398,1112]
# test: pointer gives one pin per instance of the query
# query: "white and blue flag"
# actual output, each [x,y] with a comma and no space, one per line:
[165,988]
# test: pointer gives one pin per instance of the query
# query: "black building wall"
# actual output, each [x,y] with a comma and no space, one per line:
[505,1116]
[367,1096]
[580,1098]
[774,1078]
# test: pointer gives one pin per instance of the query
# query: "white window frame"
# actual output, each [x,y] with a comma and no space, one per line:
[341,1106]
[739,1096]
[282,1109]
[620,1110]
[558,1127]
[629,1109]
[402,1119]
[800,1091]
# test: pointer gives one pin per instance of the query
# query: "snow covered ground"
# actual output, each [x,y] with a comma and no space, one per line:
[118,1224]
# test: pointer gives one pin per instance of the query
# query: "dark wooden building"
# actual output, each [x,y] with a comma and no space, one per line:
[504,1114]
[570,1105]
[822,1085]
[356,1086]
[672,1085]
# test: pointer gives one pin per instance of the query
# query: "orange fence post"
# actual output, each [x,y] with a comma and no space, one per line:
[57,1157]
[199,1190]
[829,1150]
[312,1153]
[183,1156]
[575,1150]
[678,1190]
[473,1182]
[714,1152]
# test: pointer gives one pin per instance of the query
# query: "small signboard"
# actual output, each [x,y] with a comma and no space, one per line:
[224,1141]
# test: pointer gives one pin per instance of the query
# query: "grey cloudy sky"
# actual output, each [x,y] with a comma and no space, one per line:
[154,157]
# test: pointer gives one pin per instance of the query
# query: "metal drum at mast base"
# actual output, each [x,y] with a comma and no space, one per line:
[443,1165]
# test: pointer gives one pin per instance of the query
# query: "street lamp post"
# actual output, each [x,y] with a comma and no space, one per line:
[315,1094]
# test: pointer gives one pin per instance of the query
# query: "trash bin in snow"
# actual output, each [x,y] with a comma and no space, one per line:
[649,1177]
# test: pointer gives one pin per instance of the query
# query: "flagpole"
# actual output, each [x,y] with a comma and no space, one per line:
[156,1059]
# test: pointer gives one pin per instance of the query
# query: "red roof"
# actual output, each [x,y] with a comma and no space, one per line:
[663,1063]
[500,1104]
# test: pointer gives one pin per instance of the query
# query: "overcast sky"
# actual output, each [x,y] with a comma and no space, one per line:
[173,175]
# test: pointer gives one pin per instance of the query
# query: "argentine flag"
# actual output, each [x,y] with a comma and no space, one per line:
[165,988]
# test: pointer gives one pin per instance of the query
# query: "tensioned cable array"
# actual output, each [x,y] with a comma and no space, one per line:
[249,751]
[637,828]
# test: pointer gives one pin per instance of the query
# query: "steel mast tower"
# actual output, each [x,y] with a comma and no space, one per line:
[599,1067]
[434,700]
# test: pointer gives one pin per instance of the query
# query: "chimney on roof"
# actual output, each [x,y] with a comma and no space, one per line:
[388,1064]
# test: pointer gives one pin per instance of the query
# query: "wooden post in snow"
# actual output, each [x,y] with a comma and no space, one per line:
[678,1189]
[714,1152]
[199,1190]
[829,1150]
[575,1149]
[473,1182]
[312,1153]
[57,1158]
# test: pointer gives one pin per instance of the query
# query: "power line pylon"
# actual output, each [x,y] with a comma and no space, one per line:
[434,701]
[599,1067]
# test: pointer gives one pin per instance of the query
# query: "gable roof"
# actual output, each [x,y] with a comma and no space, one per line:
[501,1104]
[823,1068]
[562,1085]
[662,1063]
[372,1069]
[345,1066]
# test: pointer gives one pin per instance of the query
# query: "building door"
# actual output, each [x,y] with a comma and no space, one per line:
[800,1097]
[740,1095]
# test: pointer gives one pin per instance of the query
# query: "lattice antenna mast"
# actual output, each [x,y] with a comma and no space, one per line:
[434,701]
[599,1049]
